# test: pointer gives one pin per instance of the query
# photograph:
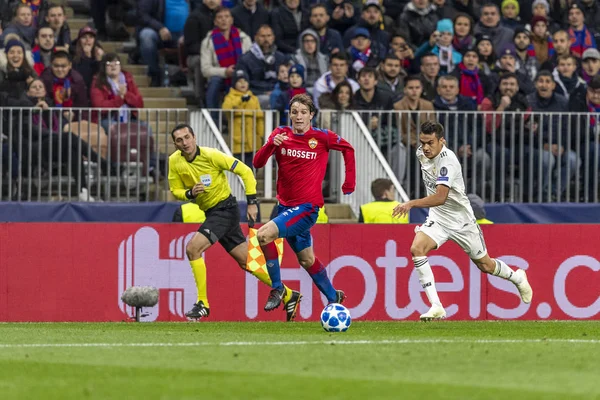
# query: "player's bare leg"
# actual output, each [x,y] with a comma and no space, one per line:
[421,246]
[499,268]
[266,238]
[291,299]
[317,272]
[198,245]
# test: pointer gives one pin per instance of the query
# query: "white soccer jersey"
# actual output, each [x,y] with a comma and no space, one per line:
[445,169]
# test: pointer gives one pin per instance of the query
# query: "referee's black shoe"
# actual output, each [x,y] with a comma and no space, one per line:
[275,298]
[198,311]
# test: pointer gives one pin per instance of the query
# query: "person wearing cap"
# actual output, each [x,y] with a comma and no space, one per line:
[489,24]
[362,53]
[281,96]
[310,58]
[510,14]
[370,19]
[242,108]
[487,55]
[43,49]
[330,40]
[87,54]
[507,99]
[568,83]
[508,64]
[590,65]
[56,19]
[541,8]
[344,15]
[527,64]
[554,129]
[288,21]
[219,53]
[541,46]
[22,25]
[440,44]
[478,206]
[581,37]
[587,120]
[418,21]
[472,82]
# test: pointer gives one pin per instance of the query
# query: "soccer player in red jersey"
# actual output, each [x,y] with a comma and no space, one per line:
[301,152]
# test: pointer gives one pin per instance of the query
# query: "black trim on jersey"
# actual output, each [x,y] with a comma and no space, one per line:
[195,155]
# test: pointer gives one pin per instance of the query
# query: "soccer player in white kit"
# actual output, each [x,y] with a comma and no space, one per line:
[450,218]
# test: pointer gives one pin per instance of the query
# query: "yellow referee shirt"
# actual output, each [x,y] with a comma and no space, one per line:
[208,167]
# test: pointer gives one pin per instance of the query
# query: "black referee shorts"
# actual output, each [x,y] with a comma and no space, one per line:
[222,224]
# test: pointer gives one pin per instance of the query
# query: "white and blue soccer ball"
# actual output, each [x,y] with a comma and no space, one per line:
[335,318]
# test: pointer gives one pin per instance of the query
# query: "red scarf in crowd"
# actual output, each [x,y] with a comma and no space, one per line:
[228,51]
[470,84]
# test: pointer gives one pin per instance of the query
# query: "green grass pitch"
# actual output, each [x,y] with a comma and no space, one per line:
[252,360]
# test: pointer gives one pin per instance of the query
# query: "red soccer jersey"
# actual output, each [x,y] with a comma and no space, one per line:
[302,161]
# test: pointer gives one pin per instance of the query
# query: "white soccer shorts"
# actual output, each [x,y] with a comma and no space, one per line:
[469,237]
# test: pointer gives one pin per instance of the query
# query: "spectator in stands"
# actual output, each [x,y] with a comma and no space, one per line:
[487,55]
[591,10]
[440,44]
[508,64]
[247,121]
[220,51]
[541,8]
[338,72]
[87,55]
[370,20]
[64,85]
[288,20]
[248,15]
[507,99]
[16,73]
[343,15]
[330,40]
[463,39]
[338,100]
[312,60]
[477,204]
[568,83]
[580,36]
[280,98]
[510,14]
[115,88]
[261,64]
[401,49]
[489,25]
[39,9]
[562,47]
[541,46]
[380,210]
[457,114]
[411,104]
[199,23]
[43,49]
[362,52]
[282,85]
[526,61]
[56,19]
[430,71]
[590,65]
[23,26]
[392,76]
[160,29]
[444,9]
[418,21]
[472,83]
[555,134]
[588,124]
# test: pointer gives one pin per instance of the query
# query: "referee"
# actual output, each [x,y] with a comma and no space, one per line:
[198,174]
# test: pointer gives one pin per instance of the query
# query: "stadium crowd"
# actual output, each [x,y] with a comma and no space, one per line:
[365,55]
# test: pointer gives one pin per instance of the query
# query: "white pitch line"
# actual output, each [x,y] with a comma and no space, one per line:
[301,343]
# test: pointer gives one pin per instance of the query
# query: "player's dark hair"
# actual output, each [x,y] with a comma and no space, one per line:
[378,186]
[391,56]
[340,55]
[318,5]
[542,73]
[432,128]
[179,127]
[411,78]
[304,99]
[219,10]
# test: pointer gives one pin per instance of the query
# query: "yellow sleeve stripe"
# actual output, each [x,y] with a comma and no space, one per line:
[235,163]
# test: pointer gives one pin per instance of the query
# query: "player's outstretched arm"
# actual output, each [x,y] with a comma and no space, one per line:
[340,144]
[262,155]
[433,200]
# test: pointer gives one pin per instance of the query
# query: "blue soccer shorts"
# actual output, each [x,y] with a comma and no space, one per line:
[294,224]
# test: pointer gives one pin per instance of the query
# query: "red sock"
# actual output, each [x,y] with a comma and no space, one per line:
[270,251]
[316,267]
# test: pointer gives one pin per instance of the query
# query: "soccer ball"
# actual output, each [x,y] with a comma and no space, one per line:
[335,318]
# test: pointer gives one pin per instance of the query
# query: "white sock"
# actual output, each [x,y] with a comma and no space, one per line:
[426,279]
[504,271]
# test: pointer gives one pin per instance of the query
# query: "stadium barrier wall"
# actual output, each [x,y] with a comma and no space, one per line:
[77,272]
